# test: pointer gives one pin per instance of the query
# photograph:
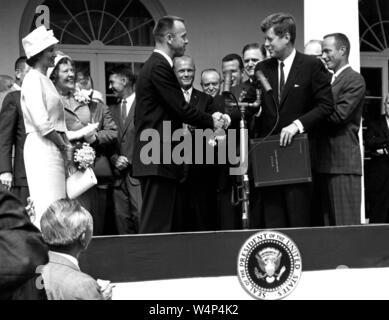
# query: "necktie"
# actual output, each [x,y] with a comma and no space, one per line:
[333,79]
[124,111]
[187,99]
[187,96]
[282,80]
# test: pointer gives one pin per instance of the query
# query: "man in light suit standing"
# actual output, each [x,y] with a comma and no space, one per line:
[127,195]
[339,160]
[301,98]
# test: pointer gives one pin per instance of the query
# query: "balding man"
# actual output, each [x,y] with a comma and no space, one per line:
[210,82]
[313,48]
[198,189]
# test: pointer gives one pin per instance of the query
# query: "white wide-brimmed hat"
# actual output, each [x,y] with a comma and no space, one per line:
[59,56]
[38,40]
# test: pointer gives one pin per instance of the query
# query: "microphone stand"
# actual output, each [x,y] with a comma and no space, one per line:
[243,189]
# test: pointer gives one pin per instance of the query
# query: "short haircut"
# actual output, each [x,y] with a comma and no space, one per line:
[232,57]
[19,63]
[282,23]
[164,26]
[124,71]
[209,70]
[184,57]
[55,72]
[341,41]
[63,222]
[250,46]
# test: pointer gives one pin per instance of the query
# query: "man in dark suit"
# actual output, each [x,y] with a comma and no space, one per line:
[13,134]
[22,251]
[339,159]
[127,195]
[377,168]
[198,188]
[302,97]
[161,109]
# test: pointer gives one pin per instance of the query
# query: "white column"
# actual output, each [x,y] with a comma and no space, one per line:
[330,16]
[321,18]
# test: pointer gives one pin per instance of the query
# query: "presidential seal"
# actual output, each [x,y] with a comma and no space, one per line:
[269,265]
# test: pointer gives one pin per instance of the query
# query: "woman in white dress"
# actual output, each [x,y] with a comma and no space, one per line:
[47,151]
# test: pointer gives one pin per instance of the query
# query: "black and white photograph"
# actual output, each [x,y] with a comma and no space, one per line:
[194,153]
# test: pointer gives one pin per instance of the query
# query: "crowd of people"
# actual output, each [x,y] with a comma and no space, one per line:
[316,93]
[52,107]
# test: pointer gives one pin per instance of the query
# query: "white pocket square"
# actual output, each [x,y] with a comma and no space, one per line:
[296,85]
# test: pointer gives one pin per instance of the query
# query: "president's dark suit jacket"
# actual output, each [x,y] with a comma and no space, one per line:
[159,98]
[338,149]
[12,133]
[306,96]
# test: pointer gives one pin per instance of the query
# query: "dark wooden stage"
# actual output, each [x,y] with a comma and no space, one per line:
[212,254]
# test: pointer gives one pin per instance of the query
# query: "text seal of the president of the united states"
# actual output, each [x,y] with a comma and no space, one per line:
[269,265]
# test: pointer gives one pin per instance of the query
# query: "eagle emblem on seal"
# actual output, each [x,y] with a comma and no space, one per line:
[269,261]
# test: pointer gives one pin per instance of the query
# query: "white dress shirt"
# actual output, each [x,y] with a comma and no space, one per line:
[287,66]
[129,102]
[16,87]
[288,62]
[337,73]
[187,95]
[165,56]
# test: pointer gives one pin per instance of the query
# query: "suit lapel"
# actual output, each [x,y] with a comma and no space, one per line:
[291,77]
[272,77]
[194,99]
[129,118]
[385,127]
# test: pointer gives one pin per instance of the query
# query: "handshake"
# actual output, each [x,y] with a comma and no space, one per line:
[221,121]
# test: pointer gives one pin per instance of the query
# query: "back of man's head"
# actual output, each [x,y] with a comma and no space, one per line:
[233,57]
[20,63]
[164,26]
[281,23]
[341,40]
[65,224]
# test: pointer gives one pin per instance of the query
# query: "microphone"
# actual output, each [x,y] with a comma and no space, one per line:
[263,80]
[227,81]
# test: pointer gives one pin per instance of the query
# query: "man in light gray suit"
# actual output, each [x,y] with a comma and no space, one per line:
[339,160]
[67,228]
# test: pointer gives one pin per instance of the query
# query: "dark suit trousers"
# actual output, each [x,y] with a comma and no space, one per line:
[95,201]
[22,193]
[343,195]
[287,206]
[161,204]
[377,189]
[127,205]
